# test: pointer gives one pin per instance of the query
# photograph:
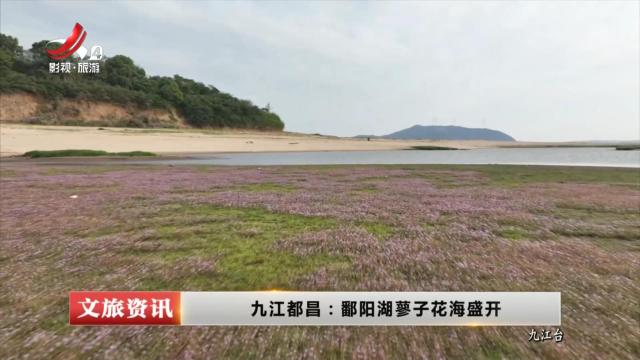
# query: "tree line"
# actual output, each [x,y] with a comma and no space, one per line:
[121,81]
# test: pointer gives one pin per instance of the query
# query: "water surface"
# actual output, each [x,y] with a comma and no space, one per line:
[506,156]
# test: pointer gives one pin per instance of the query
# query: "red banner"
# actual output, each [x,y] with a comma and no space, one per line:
[124,308]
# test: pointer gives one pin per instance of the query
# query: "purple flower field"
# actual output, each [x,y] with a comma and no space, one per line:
[418,228]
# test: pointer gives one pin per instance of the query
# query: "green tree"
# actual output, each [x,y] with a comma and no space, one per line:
[170,90]
[10,44]
[121,71]
[6,61]
[38,52]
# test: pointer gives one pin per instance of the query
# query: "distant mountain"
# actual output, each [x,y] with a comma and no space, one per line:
[419,132]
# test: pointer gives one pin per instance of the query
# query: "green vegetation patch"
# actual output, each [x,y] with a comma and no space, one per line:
[593,213]
[8,173]
[514,228]
[449,179]
[431,147]
[628,147]
[613,229]
[94,169]
[513,232]
[80,152]
[514,175]
[378,229]
[599,233]
[238,242]
[510,175]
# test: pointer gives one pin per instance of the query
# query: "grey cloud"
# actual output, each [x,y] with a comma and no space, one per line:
[536,70]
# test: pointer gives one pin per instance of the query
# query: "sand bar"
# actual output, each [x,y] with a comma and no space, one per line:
[17,139]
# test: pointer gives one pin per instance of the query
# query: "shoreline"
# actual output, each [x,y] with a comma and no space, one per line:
[20,138]
[185,160]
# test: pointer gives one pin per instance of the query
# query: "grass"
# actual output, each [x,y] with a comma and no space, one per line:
[238,244]
[513,175]
[510,175]
[7,173]
[513,232]
[378,229]
[609,228]
[82,153]
[628,147]
[446,179]
[93,169]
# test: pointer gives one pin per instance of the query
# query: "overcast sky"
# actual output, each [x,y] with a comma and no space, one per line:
[536,70]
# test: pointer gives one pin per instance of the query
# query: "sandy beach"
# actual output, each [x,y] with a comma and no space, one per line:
[18,139]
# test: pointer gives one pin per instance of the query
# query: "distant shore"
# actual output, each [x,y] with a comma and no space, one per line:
[18,139]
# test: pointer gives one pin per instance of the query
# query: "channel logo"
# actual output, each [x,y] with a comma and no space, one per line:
[72,46]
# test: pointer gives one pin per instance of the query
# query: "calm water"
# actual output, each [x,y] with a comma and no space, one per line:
[543,156]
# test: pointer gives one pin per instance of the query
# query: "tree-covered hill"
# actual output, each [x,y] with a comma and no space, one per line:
[122,82]
[434,132]
[449,133]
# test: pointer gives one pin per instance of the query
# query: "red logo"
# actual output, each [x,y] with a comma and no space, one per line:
[124,308]
[71,44]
